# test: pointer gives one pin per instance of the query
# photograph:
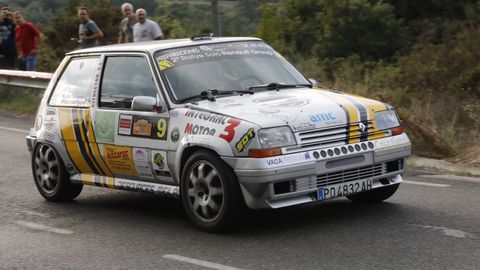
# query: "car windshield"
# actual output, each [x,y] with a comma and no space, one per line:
[225,67]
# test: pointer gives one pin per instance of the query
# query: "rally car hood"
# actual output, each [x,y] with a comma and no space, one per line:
[301,109]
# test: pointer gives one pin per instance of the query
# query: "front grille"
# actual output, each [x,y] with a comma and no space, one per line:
[334,136]
[338,177]
[350,175]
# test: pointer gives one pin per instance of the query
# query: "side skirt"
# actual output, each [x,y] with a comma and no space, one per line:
[125,184]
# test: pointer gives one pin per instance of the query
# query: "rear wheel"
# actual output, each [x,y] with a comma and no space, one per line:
[375,195]
[51,178]
[210,192]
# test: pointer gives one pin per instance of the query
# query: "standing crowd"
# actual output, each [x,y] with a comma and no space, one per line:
[19,39]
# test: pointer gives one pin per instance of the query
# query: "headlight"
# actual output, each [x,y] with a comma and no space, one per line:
[276,137]
[386,119]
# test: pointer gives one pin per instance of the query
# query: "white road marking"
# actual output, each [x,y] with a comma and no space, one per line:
[449,232]
[41,227]
[453,177]
[199,262]
[425,184]
[14,129]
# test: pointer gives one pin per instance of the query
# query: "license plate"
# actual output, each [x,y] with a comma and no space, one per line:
[343,189]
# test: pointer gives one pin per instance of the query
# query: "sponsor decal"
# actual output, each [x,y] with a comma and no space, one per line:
[160,166]
[245,140]
[143,126]
[135,186]
[209,117]
[49,137]
[119,159]
[274,161]
[322,117]
[96,84]
[269,111]
[125,124]
[206,53]
[197,129]
[284,160]
[282,102]
[164,64]
[50,119]
[104,128]
[304,126]
[230,129]
[131,185]
[142,165]
[175,135]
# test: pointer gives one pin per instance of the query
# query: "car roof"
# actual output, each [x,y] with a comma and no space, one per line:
[153,46]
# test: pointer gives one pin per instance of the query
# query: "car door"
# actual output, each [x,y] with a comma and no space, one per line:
[68,114]
[133,143]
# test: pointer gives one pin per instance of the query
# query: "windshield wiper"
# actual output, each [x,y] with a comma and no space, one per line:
[277,86]
[212,93]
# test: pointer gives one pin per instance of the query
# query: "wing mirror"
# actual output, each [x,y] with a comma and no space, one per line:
[147,104]
[313,82]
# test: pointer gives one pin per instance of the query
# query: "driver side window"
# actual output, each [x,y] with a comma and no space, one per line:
[125,77]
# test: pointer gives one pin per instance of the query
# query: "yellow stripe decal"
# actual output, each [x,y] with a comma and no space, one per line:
[353,114]
[68,135]
[85,143]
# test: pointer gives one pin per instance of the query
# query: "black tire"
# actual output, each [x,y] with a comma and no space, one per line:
[375,195]
[51,177]
[210,192]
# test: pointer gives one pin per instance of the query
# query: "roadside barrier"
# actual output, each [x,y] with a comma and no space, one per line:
[31,79]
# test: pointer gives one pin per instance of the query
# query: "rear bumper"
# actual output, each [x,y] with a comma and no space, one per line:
[30,143]
[293,179]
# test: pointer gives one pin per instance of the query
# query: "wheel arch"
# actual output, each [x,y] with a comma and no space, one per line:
[188,146]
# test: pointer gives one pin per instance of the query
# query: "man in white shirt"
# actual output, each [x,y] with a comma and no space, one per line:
[145,29]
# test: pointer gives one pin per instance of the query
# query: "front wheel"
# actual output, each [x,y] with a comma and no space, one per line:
[51,178]
[210,192]
[375,195]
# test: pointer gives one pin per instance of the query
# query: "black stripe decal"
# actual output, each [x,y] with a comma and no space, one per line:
[363,117]
[84,128]
[347,114]
[81,146]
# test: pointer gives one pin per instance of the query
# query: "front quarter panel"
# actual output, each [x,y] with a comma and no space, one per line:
[225,135]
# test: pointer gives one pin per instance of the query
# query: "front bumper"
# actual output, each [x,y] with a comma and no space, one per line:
[294,179]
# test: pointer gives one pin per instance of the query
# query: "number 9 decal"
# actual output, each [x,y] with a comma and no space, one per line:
[162,129]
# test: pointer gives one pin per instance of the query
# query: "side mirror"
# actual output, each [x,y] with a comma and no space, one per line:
[313,82]
[145,104]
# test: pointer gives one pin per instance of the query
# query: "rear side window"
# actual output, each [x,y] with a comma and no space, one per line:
[74,88]
[124,78]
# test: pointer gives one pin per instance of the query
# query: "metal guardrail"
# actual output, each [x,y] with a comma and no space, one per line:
[32,79]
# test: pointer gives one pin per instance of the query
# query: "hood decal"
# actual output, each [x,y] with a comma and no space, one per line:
[357,110]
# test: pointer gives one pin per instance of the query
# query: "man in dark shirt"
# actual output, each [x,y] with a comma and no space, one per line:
[7,39]
[88,31]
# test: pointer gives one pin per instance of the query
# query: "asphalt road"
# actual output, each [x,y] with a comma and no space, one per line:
[432,222]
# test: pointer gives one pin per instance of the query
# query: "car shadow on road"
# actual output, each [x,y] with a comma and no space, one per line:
[135,208]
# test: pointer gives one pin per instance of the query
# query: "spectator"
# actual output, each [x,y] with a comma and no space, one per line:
[8,48]
[145,29]
[88,31]
[27,39]
[126,26]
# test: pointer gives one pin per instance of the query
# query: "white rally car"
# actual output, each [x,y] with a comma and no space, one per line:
[218,122]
